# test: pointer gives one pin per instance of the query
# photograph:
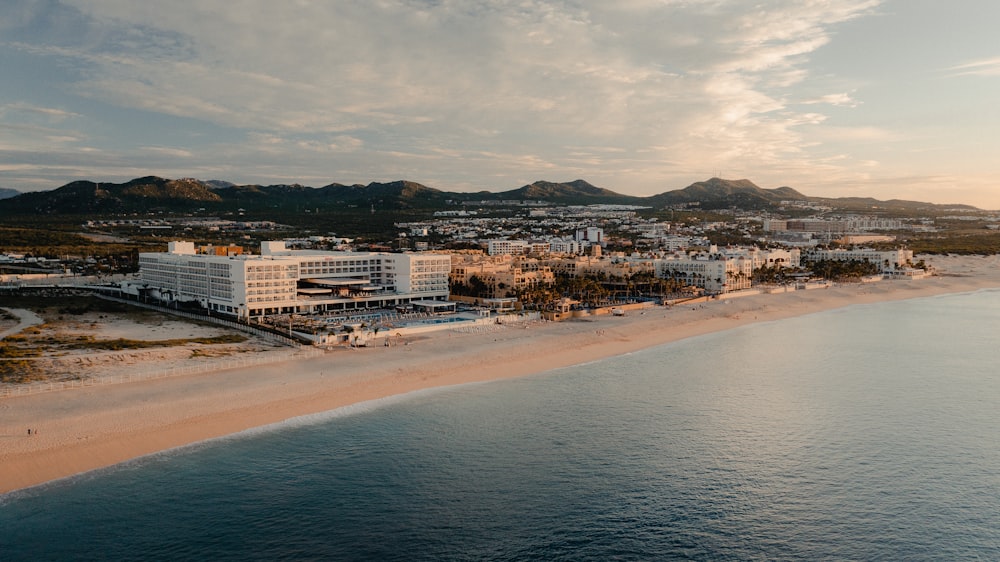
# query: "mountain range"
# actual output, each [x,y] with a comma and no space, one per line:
[153,193]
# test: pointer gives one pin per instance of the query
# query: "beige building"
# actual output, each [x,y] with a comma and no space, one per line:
[608,267]
[503,274]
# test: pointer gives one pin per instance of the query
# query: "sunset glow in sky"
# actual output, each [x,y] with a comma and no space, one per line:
[882,98]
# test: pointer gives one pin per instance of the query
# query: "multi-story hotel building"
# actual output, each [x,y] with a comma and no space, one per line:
[715,273]
[886,260]
[282,281]
[503,275]
[505,246]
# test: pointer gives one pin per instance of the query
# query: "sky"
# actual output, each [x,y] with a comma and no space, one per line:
[835,98]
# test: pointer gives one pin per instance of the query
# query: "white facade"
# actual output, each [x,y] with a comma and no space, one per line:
[886,260]
[281,281]
[864,224]
[591,235]
[714,273]
[653,229]
[565,246]
[865,238]
[515,247]
[507,247]
[777,257]
[674,243]
[850,224]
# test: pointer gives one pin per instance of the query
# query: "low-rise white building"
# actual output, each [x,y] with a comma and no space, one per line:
[774,257]
[565,246]
[886,260]
[504,246]
[715,273]
[590,235]
[283,281]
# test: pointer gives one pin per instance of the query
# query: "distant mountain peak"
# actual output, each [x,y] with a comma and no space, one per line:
[576,191]
[718,192]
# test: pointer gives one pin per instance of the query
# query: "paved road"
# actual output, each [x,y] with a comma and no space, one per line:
[26,319]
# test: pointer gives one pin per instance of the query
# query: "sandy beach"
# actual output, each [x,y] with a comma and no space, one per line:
[83,429]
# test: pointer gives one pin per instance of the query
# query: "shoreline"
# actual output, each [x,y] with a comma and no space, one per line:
[85,429]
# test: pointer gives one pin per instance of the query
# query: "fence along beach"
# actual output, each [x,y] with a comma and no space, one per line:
[82,429]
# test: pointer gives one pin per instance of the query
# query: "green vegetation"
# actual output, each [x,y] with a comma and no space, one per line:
[16,238]
[586,289]
[54,240]
[963,243]
[687,217]
[835,270]
[590,290]
[774,274]
[730,237]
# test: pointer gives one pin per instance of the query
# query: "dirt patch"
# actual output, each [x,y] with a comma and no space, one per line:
[89,344]
[143,326]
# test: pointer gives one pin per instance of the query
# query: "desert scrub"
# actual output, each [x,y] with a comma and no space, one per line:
[88,342]
[19,371]
[10,350]
[210,354]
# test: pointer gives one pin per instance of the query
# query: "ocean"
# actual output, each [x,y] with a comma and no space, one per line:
[865,433]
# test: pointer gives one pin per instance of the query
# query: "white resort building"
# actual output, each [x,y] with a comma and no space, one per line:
[886,260]
[282,281]
[716,273]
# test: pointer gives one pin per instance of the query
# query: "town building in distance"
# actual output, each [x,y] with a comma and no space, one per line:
[284,281]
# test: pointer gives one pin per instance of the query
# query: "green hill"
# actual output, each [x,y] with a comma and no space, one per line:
[148,194]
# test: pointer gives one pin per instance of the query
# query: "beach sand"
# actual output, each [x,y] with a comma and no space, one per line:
[83,429]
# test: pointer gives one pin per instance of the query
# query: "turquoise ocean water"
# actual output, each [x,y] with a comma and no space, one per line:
[866,433]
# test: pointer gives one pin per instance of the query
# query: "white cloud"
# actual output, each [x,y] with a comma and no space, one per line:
[52,113]
[341,143]
[337,66]
[168,151]
[860,134]
[985,67]
[35,138]
[495,87]
[842,100]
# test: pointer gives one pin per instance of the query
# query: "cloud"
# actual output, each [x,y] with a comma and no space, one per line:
[61,138]
[841,100]
[168,151]
[392,87]
[985,67]
[860,134]
[53,114]
[29,136]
